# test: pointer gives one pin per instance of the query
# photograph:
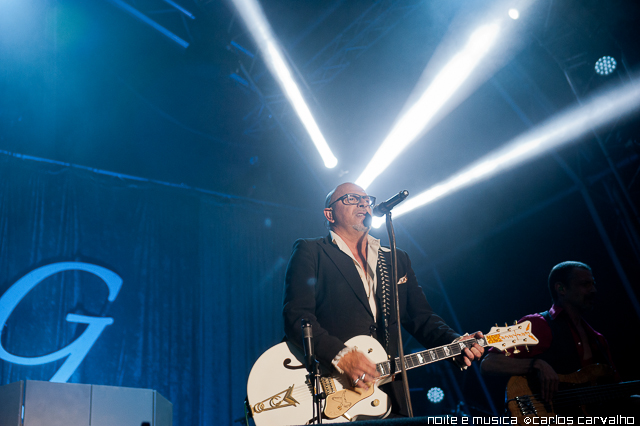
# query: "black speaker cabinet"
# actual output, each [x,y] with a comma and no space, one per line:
[70,404]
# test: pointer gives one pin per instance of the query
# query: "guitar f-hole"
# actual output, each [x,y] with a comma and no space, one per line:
[288,361]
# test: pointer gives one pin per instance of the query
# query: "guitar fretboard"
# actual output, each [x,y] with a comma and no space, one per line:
[419,359]
[595,394]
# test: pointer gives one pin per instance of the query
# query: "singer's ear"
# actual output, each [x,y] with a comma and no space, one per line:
[328,214]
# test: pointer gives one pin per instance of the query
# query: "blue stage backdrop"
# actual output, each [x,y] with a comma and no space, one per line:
[113,281]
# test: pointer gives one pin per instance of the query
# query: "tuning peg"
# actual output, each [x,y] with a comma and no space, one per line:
[516,350]
[515,322]
[506,325]
[506,353]
[526,347]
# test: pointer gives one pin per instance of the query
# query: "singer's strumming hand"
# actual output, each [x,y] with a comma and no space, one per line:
[355,364]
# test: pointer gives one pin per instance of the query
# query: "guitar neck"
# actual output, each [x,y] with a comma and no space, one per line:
[429,356]
[594,394]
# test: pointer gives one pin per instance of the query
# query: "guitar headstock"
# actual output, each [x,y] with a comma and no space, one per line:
[510,336]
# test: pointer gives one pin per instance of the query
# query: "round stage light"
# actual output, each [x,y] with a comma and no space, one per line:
[435,395]
[514,14]
[605,65]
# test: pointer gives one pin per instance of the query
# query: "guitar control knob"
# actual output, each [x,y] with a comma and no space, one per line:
[375,403]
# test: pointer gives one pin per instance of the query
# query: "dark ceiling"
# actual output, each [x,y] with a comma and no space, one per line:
[90,84]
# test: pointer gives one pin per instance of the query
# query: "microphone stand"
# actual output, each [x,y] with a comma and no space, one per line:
[318,395]
[394,285]
[313,368]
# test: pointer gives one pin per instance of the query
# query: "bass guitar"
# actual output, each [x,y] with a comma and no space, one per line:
[579,393]
[279,391]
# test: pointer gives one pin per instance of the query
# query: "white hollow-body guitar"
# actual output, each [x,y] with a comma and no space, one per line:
[279,392]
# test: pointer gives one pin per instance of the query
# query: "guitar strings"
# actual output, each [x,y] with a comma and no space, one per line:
[413,360]
[304,393]
[589,395]
[614,388]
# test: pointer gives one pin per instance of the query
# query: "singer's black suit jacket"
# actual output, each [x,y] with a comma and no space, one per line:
[323,286]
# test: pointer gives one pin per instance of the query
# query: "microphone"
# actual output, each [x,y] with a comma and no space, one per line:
[307,341]
[386,206]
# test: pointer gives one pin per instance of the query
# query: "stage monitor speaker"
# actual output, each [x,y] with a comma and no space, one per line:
[11,404]
[134,407]
[56,404]
[69,404]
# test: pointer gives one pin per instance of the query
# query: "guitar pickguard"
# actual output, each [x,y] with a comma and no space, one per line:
[342,401]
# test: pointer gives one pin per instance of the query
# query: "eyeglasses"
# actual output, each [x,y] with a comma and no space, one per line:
[355,199]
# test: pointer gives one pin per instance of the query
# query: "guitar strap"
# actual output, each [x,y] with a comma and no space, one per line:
[385,298]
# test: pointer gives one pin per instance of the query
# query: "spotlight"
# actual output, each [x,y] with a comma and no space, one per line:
[441,89]
[564,128]
[259,27]
[435,395]
[605,65]
[514,14]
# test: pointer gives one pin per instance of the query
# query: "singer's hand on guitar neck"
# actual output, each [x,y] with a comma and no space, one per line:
[354,364]
[470,354]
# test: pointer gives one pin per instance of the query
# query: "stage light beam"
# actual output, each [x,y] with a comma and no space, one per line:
[561,130]
[441,89]
[259,27]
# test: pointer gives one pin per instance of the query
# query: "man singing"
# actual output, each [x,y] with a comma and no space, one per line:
[337,284]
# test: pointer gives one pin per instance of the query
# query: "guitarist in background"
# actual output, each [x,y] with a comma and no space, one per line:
[566,342]
[337,284]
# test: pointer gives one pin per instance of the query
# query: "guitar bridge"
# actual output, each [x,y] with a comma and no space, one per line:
[526,405]
[328,386]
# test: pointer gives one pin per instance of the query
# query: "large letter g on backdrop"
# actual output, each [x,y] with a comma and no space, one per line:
[76,350]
